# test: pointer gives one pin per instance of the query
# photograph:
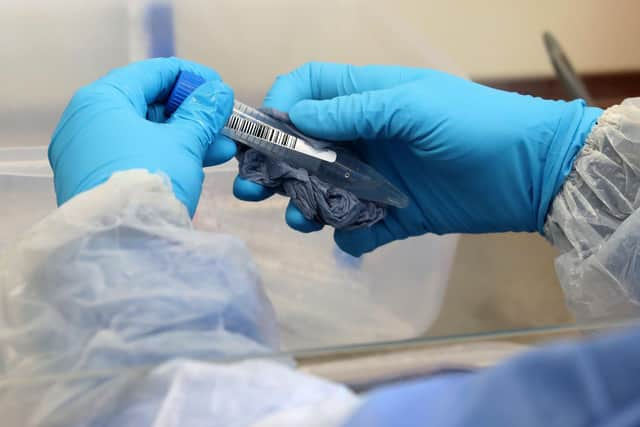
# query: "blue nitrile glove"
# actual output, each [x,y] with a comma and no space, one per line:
[567,385]
[472,159]
[118,123]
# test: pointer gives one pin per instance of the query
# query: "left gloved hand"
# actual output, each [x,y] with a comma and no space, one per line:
[118,123]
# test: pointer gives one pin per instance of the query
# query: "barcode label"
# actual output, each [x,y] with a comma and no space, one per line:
[272,135]
[264,132]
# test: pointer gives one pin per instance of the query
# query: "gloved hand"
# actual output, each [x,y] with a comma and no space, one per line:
[472,159]
[118,123]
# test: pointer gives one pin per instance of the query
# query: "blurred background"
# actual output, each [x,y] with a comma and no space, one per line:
[51,47]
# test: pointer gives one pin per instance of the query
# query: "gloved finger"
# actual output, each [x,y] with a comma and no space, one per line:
[296,220]
[324,80]
[155,113]
[146,82]
[362,240]
[366,115]
[205,112]
[249,191]
[219,151]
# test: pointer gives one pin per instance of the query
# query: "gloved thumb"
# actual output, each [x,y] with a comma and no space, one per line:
[205,112]
[366,115]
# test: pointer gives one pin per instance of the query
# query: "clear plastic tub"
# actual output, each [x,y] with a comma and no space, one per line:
[322,296]
[254,41]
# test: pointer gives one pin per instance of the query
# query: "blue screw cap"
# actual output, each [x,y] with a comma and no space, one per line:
[186,83]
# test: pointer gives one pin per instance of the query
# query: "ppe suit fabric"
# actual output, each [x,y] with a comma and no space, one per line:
[115,282]
[471,158]
[118,278]
[594,219]
[316,199]
[188,393]
[117,123]
[566,385]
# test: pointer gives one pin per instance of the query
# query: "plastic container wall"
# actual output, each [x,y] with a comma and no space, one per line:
[322,296]
[250,42]
[50,49]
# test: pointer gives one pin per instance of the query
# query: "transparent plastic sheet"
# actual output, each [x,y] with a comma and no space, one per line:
[595,221]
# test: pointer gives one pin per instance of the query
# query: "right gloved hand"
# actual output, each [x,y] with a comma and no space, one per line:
[471,158]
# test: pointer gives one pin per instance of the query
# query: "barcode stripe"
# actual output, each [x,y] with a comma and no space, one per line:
[262,131]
